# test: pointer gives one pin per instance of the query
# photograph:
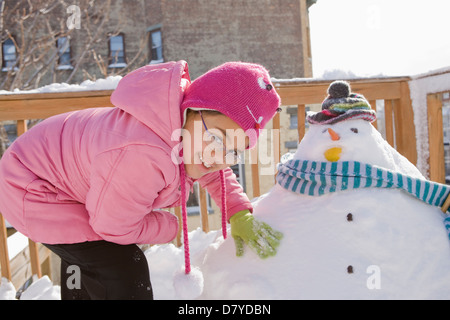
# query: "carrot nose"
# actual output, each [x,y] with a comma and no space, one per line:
[333,134]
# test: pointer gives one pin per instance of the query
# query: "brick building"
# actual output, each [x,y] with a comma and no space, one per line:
[205,33]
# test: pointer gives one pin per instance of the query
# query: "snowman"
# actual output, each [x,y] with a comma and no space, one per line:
[359,220]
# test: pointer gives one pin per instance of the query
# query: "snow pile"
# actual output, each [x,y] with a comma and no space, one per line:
[166,264]
[7,290]
[188,286]
[376,255]
[110,83]
[40,289]
[16,243]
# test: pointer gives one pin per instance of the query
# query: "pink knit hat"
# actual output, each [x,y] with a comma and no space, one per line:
[241,91]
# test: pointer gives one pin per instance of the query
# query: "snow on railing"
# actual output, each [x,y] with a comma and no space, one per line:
[426,95]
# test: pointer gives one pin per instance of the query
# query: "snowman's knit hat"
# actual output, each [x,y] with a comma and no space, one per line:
[341,104]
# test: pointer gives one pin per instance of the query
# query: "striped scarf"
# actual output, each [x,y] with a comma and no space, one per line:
[316,178]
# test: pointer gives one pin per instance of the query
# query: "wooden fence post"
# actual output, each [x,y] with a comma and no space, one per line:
[301,125]
[180,226]
[4,255]
[255,171]
[203,208]
[405,132]
[388,122]
[435,138]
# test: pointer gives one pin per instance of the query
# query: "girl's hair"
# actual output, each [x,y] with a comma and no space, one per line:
[205,112]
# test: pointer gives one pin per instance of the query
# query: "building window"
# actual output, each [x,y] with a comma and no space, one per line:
[9,55]
[193,204]
[117,51]
[64,60]
[239,171]
[293,121]
[291,146]
[156,47]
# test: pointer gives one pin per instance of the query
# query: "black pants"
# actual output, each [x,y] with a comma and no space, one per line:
[102,270]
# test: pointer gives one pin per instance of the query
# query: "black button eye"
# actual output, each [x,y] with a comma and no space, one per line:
[355,130]
[269,87]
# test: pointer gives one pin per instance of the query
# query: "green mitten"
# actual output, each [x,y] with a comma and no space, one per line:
[258,235]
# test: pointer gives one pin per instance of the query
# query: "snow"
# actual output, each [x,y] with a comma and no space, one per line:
[40,289]
[110,83]
[16,243]
[166,264]
[188,286]
[7,290]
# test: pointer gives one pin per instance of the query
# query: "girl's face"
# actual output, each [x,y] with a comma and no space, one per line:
[211,142]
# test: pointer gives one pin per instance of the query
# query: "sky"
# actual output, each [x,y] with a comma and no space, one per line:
[380,37]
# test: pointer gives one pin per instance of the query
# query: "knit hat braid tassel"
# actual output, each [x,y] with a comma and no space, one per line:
[224,204]
[187,262]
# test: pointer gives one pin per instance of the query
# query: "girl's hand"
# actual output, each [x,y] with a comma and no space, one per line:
[258,235]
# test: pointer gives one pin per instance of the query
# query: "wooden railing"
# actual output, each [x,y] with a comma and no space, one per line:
[436,133]
[399,124]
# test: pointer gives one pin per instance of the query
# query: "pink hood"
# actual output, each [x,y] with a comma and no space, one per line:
[139,94]
[106,173]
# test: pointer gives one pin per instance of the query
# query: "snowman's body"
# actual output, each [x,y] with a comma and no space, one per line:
[358,244]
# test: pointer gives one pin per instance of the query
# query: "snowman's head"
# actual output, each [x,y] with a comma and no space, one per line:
[342,131]
[351,140]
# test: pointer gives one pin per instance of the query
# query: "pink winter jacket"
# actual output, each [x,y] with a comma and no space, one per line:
[105,173]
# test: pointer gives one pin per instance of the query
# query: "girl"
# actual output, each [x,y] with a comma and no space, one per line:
[90,184]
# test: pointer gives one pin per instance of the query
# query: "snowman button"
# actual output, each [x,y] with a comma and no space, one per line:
[349,217]
[350,269]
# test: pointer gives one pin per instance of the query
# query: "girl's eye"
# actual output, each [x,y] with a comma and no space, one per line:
[355,130]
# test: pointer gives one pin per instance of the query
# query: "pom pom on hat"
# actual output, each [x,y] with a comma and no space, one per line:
[188,286]
[241,91]
[339,89]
